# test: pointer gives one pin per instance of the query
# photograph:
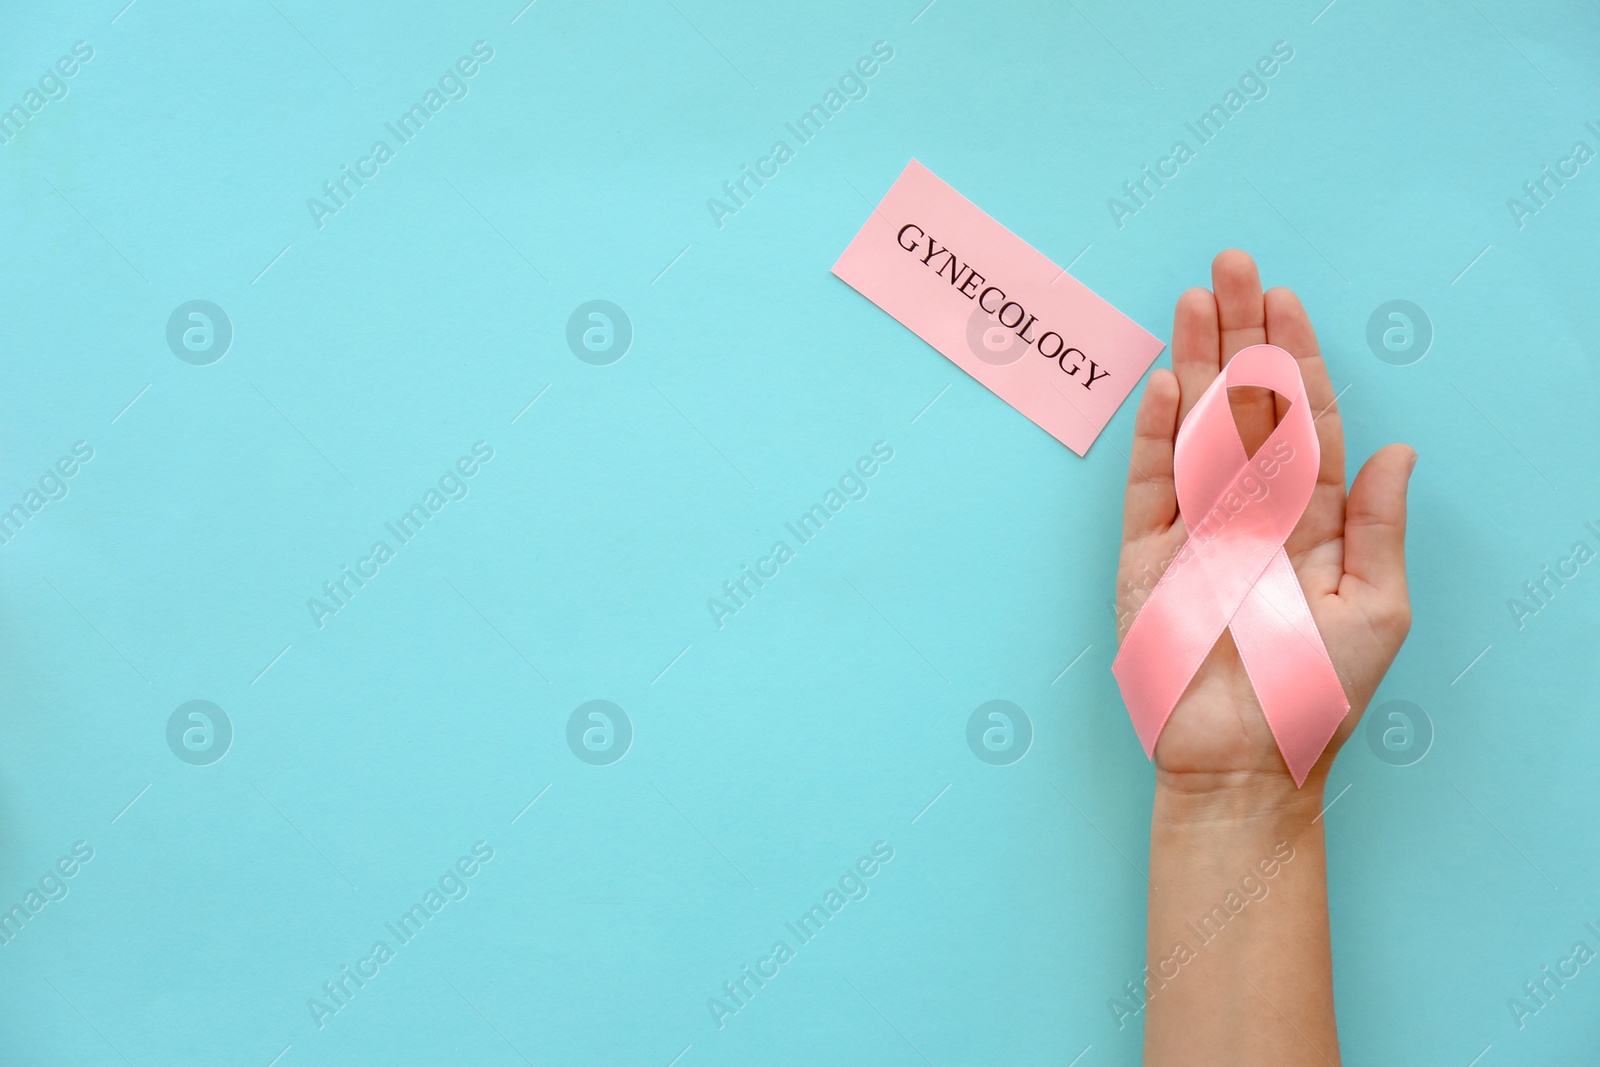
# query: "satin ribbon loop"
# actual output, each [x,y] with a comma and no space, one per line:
[1232,573]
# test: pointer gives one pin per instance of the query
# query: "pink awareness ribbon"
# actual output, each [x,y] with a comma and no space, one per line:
[1232,572]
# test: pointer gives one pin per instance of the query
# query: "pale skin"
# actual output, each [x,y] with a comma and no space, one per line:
[1260,992]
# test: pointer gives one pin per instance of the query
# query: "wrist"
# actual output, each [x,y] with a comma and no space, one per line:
[1236,801]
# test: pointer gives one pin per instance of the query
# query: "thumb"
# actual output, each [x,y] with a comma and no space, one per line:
[1375,529]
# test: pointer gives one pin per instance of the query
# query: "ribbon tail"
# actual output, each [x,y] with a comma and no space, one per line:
[1171,636]
[1284,654]
[1148,705]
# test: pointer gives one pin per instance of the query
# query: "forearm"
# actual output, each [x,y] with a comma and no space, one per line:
[1240,970]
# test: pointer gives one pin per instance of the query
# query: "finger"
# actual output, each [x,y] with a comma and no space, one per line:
[1240,311]
[1242,319]
[1151,503]
[1196,356]
[1375,539]
[1289,327]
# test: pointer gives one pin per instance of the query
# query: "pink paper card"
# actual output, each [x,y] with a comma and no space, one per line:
[1037,337]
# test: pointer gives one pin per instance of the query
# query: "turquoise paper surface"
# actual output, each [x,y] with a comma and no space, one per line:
[403,348]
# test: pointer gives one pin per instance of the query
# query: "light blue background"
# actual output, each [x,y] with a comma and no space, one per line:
[370,354]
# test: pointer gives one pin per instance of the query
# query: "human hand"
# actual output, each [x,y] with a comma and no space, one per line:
[1348,550]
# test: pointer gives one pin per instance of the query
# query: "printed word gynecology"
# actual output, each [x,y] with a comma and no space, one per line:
[852,885]
[452,85]
[452,485]
[1252,86]
[852,485]
[965,280]
[852,86]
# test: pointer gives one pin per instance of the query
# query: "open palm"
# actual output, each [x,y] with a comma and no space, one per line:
[1348,549]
